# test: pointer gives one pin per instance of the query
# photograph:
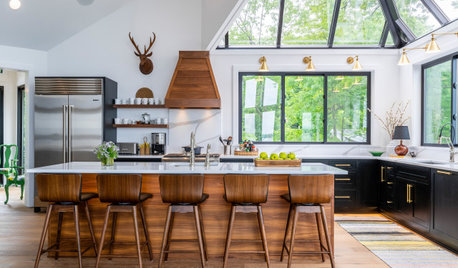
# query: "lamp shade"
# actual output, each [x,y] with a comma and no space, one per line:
[401,133]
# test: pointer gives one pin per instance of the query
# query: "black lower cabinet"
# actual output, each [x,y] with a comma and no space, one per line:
[386,189]
[444,227]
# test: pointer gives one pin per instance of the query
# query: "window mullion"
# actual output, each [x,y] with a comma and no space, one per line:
[280,22]
[283,116]
[335,17]
[325,109]
[453,97]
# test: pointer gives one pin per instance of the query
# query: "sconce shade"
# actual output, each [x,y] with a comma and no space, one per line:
[401,133]
[357,65]
[432,46]
[263,62]
[310,66]
[404,60]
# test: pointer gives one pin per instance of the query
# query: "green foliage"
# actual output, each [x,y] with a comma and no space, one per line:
[438,102]
[416,16]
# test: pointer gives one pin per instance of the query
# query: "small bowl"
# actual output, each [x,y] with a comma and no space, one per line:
[376,153]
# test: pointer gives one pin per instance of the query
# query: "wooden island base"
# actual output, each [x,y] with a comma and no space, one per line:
[215,212]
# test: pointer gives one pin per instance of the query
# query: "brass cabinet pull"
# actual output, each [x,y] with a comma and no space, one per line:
[343,179]
[409,193]
[382,170]
[389,202]
[343,165]
[342,196]
[389,167]
[389,182]
[444,172]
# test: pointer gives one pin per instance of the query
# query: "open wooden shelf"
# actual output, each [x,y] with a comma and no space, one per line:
[140,126]
[139,106]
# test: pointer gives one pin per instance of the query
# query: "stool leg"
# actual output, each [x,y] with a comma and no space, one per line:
[229,235]
[114,219]
[145,229]
[286,233]
[169,236]
[137,237]
[102,237]
[43,235]
[319,235]
[59,231]
[166,233]
[328,241]
[91,228]
[199,235]
[77,228]
[263,235]
[293,234]
[203,233]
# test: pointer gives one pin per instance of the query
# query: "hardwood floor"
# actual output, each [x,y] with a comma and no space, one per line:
[20,230]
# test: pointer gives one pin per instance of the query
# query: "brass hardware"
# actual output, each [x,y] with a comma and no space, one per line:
[389,168]
[389,202]
[342,197]
[444,172]
[263,62]
[350,60]
[343,179]
[382,171]
[308,61]
[357,65]
[389,182]
[409,193]
[343,165]
[433,46]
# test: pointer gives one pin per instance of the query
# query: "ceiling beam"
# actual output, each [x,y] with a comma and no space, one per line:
[400,36]
[384,36]
[335,17]
[280,22]
[436,11]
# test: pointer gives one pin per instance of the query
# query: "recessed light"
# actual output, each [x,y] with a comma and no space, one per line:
[15,4]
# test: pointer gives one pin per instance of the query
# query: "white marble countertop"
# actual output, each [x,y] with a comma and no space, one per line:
[137,156]
[184,168]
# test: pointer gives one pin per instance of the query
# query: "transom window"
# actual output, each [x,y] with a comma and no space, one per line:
[439,100]
[336,23]
[304,108]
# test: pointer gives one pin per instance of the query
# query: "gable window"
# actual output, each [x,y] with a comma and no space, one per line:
[439,100]
[304,108]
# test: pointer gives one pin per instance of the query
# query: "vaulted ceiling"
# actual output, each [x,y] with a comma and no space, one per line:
[43,24]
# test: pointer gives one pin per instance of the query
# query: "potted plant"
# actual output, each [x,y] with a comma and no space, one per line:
[107,152]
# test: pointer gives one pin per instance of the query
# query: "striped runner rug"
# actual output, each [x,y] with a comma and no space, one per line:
[395,245]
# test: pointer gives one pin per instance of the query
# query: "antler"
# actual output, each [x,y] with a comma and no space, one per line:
[138,53]
[151,42]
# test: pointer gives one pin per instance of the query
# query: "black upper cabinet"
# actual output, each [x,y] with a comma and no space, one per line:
[445,208]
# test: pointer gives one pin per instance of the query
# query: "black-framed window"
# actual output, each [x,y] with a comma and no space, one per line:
[439,103]
[296,107]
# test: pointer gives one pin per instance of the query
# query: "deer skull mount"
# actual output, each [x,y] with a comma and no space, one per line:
[146,65]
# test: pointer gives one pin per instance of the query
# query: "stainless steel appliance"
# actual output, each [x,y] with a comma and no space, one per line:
[128,148]
[72,116]
[158,143]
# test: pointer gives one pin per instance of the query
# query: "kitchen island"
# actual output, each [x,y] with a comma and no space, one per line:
[215,210]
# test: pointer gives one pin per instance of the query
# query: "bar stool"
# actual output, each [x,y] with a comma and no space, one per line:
[63,194]
[307,194]
[123,192]
[246,193]
[184,193]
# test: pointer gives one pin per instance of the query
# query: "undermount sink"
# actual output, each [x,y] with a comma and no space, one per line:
[431,162]
[197,164]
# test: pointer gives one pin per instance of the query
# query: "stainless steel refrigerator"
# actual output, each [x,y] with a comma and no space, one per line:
[72,116]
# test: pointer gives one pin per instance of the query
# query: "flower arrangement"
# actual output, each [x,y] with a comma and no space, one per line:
[107,152]
[395,116]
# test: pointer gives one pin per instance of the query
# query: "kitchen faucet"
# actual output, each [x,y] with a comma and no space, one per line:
[449,141]
[193,146]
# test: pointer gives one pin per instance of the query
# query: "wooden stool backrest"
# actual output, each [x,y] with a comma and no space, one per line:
[242,188]
[59,187]
[119,188]
[181,188]
[315,189]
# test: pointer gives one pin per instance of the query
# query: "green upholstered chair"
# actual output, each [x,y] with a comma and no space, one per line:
[10,169]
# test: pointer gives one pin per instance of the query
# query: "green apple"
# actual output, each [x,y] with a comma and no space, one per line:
[283,156]
[264,155]
[274,157]
[291,156]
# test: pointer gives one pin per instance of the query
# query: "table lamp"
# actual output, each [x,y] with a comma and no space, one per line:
[401,133]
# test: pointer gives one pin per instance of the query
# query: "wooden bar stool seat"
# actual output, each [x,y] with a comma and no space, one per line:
[246,193]
[184,193]
[63,194]
[308,194]
[123,192]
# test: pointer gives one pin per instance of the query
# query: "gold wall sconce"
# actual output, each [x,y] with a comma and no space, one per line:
[308,61]
[355,59]
[263,62]
[433,46]
[404,60]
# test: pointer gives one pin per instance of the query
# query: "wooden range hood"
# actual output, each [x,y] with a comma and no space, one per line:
[193,84]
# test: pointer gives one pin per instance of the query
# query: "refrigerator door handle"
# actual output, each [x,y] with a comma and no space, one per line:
[70,136]
[64,131]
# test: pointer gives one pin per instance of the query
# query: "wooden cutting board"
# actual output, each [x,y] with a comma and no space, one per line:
[278,163]
[254,153]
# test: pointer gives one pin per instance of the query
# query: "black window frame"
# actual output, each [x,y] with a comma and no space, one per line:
[453,58]
[325,108]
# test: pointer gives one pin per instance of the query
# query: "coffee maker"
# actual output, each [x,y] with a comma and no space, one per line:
[158,143]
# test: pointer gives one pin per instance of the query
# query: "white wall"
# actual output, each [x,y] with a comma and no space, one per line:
[385,86]
[9,82]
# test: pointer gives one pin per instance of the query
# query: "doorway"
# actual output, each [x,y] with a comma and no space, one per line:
[20,133]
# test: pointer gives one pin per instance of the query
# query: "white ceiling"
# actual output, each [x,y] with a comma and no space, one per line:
[43,24]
